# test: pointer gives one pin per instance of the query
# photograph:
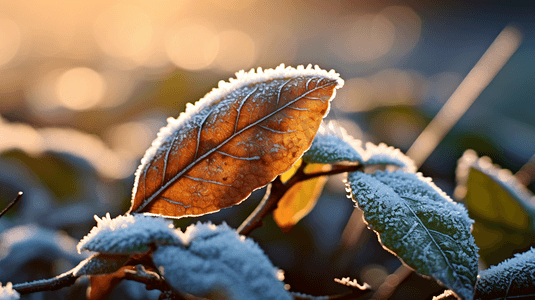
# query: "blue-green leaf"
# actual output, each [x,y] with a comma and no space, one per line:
[419,223]
[333,144]
[511,279]
[387,155]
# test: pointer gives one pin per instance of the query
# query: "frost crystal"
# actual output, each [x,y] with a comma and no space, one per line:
[333,144]
[388,155]
[129,234]
[510,278]
[195,114]
[421,224]
[219,260]
[8,293]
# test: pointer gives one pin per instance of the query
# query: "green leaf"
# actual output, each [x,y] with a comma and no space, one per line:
[494,194]
[501,206]
[513,278]
[419,223]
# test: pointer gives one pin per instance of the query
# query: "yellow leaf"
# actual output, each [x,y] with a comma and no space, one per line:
[300,199]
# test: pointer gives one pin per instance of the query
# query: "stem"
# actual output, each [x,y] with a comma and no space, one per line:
[52,284]
[277,189]
[19,195]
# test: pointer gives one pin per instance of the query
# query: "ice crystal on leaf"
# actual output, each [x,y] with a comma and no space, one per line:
[8,293]
[128,234]
[420,224]
[388,155]
[217,259]
[333,144]
[512,278]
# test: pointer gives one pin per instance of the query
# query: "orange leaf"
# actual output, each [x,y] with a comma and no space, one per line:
[236,139]
[300,199]
[100,286]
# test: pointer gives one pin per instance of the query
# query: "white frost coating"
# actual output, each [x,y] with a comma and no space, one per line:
[129,234]
[509,277]
[219,260]
[333,144]
[388,155]
[8,293]
[225,88]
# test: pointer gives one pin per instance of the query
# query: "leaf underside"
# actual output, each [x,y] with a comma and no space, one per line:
[231,147]
[416,221]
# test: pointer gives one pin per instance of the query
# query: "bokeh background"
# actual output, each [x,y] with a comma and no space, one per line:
[86,85]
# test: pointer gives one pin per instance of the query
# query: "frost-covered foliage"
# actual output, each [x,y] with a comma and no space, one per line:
[8,293]
[23,244]
[99,264]
[128,234]
[388,155]
[333,144]
[512,278]
[217,259]
[421,224]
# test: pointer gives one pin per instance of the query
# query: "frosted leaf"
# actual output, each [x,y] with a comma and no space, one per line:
[420,224]
[99,264]
[129,234]
[502,199]
[333,144]
[511,279]
[217,259]
[352,283]
[236,139]
[388,155]
[8,293]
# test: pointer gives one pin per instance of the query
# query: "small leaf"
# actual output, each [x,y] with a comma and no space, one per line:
[419,223]
[388,155]
[494,194]
[100,263]
[8,293]
[100,286]
[236,139]
[129,234]
[501,206]
[333,144]
[217,259]
[300,199]
[511,279]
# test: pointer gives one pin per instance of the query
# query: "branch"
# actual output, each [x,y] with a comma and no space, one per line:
[52,284]
[19,195]
[277,189]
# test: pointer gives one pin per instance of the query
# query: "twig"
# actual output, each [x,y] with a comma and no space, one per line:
[277,189]
[466,93]
[52,284]
[19,195]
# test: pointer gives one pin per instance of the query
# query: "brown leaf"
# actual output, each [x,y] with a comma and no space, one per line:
[300,199]
[100,286]
[236,139]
